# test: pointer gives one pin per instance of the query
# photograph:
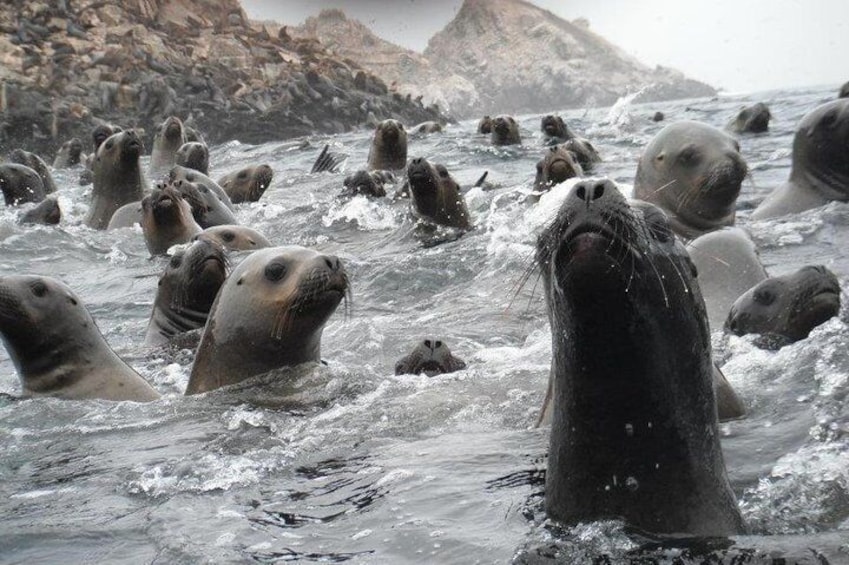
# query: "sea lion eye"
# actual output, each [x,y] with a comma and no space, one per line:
[38,288]
[275,271]
[764,297]
[110,144]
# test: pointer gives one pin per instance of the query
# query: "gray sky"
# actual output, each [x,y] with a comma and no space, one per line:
[738,45]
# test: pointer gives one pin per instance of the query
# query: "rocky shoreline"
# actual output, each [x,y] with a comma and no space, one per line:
[68,66]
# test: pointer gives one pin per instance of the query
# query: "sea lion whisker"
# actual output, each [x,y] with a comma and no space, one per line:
[665,186]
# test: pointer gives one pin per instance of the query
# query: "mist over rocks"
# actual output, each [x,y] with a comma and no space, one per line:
[69,65]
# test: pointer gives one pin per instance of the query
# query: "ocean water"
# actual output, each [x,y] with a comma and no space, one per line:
[359,465]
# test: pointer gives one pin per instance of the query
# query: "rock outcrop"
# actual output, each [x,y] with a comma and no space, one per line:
[67,65]
[503,56]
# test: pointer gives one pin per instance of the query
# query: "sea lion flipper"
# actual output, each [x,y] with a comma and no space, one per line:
[729,406]
[481,180]
[327,162]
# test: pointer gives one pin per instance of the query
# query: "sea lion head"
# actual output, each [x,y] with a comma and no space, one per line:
[430,356]
[820,149]
[194,155]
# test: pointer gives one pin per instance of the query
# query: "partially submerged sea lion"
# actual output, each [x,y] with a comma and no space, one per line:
[167,219]
[485,125]
[426,128]
[118,178]
[584,151]
[182,173]
[248,184]
[56,347]
[169,137]
[751,119]
[269,313]
[634,431]
[193,155]
[388,147]
[46,212]
[37,164]
[20,184]
[505,131]
[555,130]
[69,154]
[235,238]
[435,195]
[431,357]
[557,166]
[368,183]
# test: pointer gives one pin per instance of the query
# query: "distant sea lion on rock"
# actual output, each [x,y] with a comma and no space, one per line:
[367,183]
[47,213]
[435,195]
[485,125]
[37,164]
[819,172]
[557,166]
[634,432]
[118,178]
[69,155]
[388,147]
[555,130]
[168,139]
[785,309]
[248,184]
[505,131]
[751,119]
[186,291]
[166,220]
[20,184]
[431,357]
[56,346]
[584,151]
[193,155]
[269,313]
[694,172]
[235,238]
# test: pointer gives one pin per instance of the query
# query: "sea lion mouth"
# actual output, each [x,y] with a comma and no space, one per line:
[430,368]
[550,129]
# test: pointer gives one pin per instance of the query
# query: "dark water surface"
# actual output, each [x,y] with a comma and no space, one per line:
[357,464]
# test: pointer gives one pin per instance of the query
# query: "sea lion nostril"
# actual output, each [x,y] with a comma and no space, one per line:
[598,191]
[581,193]
[428,344]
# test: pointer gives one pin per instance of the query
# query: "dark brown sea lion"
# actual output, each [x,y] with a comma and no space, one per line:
[37,164]
[555,130]
[20,184]
[751,119]
[819,173]
[785,309]
[435,195]
[193,155]
[69,155]
[505,131]
[248,184]
[166,219]
[388,147]
[367,183]
[235,238]
[485,125]
[56,347]
[658,117]
[557,166]
[169,137]
[46,212]
[634,432]
[694,172]
[431,357]
[269,313]
[186,291]
[118,177]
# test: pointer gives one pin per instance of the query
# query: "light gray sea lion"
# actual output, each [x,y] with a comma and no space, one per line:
[20,184]
[235,238]
[248,184]
[435,195]
[555,130]
[69,154]
[388,147]
[207,208]
[505,131]
[694,172]
[785,309]
[46,212]
[56,347]
[430,356]
[182,173]
[269,313]
[193,155]
[819,172]
[557,166]
[634,432]
[169,137]
[728,265]
[167,220]
[126,216]
[186,291]
[367,183]
[118,178]
[37,164]
[584,151]
[485,125]
[751,119]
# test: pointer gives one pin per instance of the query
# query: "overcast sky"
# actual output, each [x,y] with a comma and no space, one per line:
[738,45]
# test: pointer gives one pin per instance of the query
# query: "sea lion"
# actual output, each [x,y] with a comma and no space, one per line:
[235,238]
[182,173]
[634,432]
[728,265]
[269,313]
[37,164]
[193,155]
[47,212]
[186,291]
[169,137]
[56,347]
[118,177]
[505,131]
[584,151]
[558,165]
[435,195]
[20,184]
[328,161]
[751,119]
[248,184]
[694,172]
[555,130]
[368,183]
[193,135]
[388,147]
[98,135]
[431,357]
[69,154]
[658,117]
[167,219]
[426,128]
[207,208]
[819,172]
[785,309]
[485,125]
[844,91]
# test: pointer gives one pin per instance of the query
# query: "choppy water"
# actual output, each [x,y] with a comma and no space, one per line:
[367,467]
